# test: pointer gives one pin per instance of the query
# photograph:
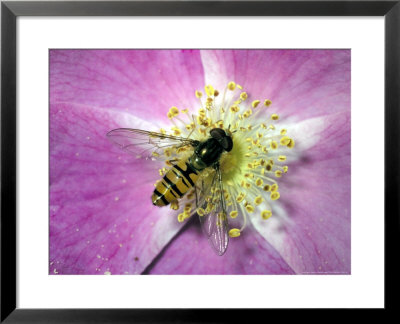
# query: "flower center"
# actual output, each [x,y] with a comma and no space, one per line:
[251,169]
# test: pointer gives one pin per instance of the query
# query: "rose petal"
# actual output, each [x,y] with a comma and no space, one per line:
[101,217]
[300,83]
[311,229]
[142,82]
[191,253]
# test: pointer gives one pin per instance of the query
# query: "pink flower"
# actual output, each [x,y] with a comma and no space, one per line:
[102,220]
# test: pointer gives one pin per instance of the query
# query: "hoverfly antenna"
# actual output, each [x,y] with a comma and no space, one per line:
[229,132]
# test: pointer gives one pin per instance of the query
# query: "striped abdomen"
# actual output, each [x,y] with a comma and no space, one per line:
[176,182]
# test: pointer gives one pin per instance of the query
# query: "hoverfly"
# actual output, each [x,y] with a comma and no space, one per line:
[184,174]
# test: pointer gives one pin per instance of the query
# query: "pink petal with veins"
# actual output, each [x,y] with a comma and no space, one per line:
[142,82]
[300,83]
[101,216]
[313,232]
[190,253]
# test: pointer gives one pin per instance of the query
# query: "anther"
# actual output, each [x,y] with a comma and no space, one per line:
[265,214]
[275,195]
[231,85]
[209,90]
[258,200]
[255,103]
[267,103]
[234,232]
[249,207]
[259,182]
[285,140]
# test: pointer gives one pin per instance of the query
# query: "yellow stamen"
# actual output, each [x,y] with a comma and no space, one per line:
[234,109]
[233,213]
[275,195]
[265,214]
[258,200]
[188,207]
[240,197]
[285,140]
[274,117]
[234,232]
[274,187]
[249,208]
[209,90]
[243,96]
[231,85]
[176,131]
[255,103]
[181,217]
[267,102]
[174,111]
[247,113]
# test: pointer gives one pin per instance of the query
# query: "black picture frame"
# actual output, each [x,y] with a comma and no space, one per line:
[11,10]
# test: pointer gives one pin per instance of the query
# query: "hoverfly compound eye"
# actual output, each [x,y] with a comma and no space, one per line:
[217,133]
[224,140]
[227,143]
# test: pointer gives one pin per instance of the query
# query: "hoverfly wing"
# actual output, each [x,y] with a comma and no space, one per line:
[214,222]
[149,145]
[215,227]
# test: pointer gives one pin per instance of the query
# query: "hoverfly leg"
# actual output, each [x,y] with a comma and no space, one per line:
[200,194]
[173,160]
[197,199]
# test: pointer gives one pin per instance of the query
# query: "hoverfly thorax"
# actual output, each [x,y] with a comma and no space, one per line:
[207,153]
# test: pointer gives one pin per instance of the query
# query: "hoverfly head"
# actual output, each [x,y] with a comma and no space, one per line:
[223,139]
